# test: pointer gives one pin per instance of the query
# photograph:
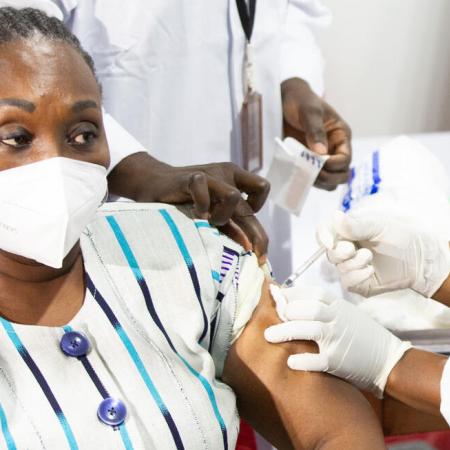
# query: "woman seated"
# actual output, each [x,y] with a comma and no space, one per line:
[121,326]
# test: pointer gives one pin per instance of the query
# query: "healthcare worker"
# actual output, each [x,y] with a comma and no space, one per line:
[214,189]
[116,332]
[374,253]
[178,74]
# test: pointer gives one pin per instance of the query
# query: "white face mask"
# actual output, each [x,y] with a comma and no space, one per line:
[45,206]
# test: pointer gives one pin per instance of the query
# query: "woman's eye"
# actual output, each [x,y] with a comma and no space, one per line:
[85,138]
[19,141]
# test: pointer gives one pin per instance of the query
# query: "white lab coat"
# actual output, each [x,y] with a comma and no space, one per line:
[172,74]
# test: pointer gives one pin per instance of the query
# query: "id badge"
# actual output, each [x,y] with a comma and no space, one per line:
[251,132]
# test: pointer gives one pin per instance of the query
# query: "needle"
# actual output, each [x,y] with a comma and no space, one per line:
[314,257]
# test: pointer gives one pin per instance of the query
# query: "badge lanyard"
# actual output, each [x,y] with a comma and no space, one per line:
[247,15]
[251,113]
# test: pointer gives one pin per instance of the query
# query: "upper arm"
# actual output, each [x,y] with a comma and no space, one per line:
[290,408]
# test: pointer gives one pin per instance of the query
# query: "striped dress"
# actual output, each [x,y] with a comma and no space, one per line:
[158,315]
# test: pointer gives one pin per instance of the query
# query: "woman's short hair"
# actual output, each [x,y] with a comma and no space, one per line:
[26,23]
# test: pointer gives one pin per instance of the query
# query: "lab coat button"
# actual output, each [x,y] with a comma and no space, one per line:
[112,411]
[74,343]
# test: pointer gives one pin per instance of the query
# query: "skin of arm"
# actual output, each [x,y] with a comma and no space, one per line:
[442,295]
[292,409]
[416,380]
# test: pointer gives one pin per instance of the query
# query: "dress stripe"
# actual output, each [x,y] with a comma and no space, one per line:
[137,361]
[190,265]
[10,444]
[126,249]
[41,381]
[102,391]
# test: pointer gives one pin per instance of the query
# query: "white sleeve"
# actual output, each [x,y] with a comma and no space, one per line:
[300,53]
[445,392]
[121,143]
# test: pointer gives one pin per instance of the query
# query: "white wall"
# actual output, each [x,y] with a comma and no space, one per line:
[388,64]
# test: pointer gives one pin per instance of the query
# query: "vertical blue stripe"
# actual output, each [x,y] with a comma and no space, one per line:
[126,249]
[10,444]
[90,370]
[138,275]
[347,200]
[125,437]
[215,275]
[41,381]
[136,360]
[375,172]
[102,390]
[190,265]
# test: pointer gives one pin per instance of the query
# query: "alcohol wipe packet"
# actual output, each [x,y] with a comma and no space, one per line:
[293,171]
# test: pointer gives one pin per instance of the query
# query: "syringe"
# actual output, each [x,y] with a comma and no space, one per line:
[314,257]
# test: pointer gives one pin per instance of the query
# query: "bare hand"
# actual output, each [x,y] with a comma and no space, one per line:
[314,123]
[214,189]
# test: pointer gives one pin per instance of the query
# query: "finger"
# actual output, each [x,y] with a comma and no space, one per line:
[343,251]
[308,310]
[308,362]
[363,257]
[198,190]
[315,133]
[326,236]
[224,200]
[257,188]
[356,278]
[339,141]
[294,331]
[356,227]
[337,163]
[255,233]
[234,232]
[330,180]
[280,300]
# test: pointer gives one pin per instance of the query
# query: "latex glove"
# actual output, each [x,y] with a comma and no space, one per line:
[352,345]
[376,253]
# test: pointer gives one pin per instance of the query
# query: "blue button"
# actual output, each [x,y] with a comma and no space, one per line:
[74,343]
[112,411]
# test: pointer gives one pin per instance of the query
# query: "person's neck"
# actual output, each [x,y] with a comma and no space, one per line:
[34,294]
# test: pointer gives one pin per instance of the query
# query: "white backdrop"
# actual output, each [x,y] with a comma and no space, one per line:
[388,65]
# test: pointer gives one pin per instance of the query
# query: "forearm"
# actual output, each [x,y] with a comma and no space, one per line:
[416,380]
[295,409]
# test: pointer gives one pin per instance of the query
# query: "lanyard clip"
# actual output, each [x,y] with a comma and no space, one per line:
[249,77]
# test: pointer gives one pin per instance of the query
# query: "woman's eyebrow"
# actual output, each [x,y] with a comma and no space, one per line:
[83,104]
[18,103]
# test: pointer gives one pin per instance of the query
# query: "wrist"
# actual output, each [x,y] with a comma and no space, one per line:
[135,176]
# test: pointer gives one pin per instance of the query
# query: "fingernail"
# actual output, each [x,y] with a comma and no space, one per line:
[320,148]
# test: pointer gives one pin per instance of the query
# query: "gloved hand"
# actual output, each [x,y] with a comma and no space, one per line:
[352,345]
[376,253]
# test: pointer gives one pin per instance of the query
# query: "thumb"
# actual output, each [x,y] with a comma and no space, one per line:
[356,227]
[315,134]
[309,362]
